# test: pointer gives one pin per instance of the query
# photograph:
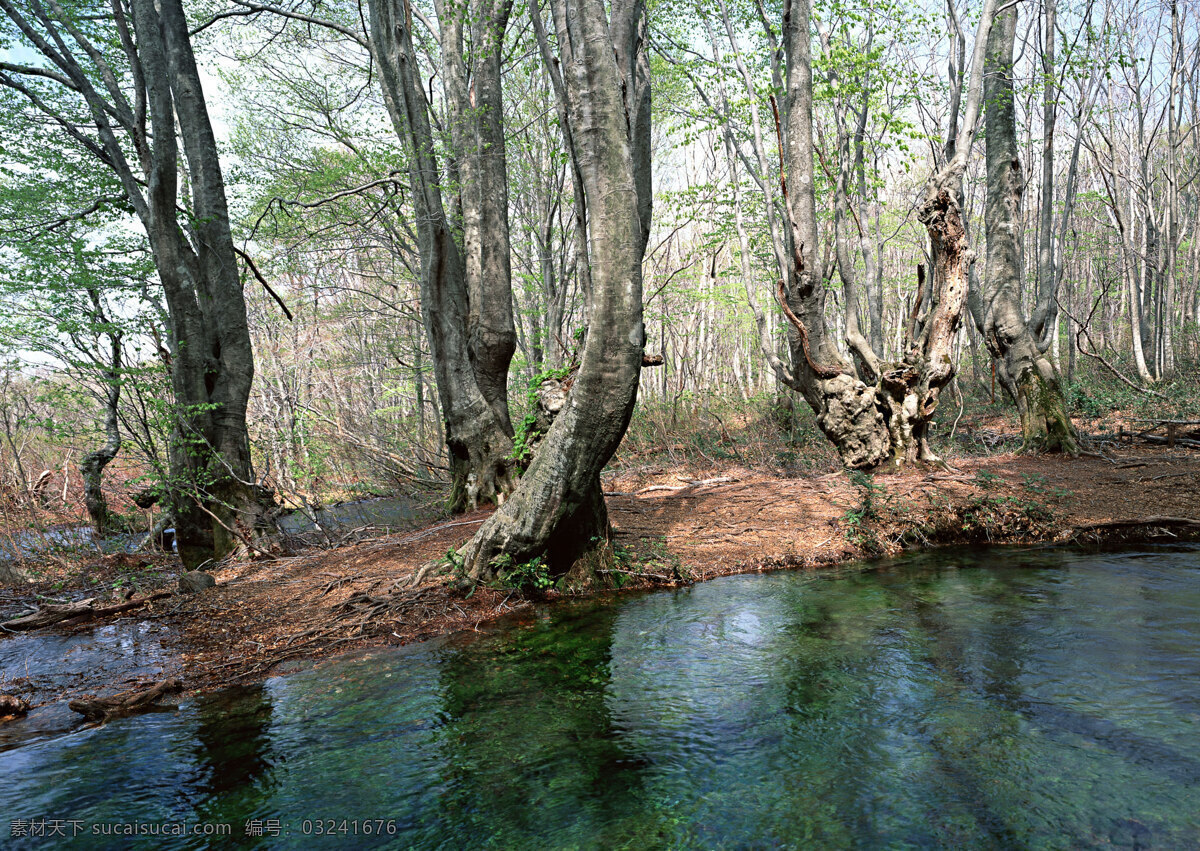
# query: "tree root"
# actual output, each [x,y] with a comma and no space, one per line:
[424,571]
[367,609]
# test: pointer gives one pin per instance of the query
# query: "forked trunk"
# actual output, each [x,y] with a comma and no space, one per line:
[466,294]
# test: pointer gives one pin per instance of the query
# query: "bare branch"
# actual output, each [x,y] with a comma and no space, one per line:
[257,274]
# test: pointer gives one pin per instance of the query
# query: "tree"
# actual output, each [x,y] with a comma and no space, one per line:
[875,413]
[602,78]
[72,290]
[120,84]
[76,304]
[466,290]
[1043,411]
[461,210]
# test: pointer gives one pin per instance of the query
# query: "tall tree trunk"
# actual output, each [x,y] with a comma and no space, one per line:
[1172,235]
[138,114]
[91,466]
[847,409]
[466,301]
[558,510]
[216,504]
[1044,421]
[1045,314]
[477,132]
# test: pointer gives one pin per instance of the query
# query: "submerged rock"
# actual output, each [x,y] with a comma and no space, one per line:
[11,707]
[194,581]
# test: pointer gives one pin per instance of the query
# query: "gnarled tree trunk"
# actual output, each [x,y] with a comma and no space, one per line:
[1043,411]
[876,414]
[558,510]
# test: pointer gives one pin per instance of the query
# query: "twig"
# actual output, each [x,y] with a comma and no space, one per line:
[1084,332]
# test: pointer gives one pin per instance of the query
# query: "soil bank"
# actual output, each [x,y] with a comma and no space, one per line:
[671,530]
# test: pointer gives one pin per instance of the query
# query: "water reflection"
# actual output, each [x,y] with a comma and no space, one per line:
[990,699]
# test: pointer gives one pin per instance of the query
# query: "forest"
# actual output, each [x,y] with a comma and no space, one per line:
[260,255]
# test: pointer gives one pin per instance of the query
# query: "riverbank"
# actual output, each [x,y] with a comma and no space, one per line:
[671,529]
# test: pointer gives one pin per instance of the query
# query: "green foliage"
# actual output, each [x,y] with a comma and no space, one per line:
[649,559]
[532,575]
[1037,483]
[860,518]
[525,433]
[986,479]
[991,513]
[1098,399]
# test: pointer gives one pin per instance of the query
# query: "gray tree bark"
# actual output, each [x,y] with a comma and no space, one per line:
[558,510]
[466,293]
[1045,315]
[218,506]
[1045,424]
[143,114]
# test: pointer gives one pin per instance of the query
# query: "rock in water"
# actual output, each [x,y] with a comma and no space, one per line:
[195,580]
[11,707]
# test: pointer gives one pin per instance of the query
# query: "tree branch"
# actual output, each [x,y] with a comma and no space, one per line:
[263,281]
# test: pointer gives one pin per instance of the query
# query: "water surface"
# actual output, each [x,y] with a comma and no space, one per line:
[994,698]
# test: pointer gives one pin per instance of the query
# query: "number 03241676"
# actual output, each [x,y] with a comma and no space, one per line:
[348,827]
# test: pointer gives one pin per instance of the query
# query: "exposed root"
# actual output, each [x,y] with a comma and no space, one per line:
[367,611]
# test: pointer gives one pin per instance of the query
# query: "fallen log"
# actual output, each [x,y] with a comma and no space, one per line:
[1155,520]
[691,483]
[50,613]
[1167,441]
[53,613]
[102,709]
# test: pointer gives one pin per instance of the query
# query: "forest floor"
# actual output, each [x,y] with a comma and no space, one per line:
[671,528]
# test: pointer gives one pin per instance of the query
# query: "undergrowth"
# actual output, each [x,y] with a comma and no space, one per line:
[702,431]
[861,520]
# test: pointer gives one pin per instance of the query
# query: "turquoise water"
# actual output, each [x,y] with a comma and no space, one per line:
[993,698]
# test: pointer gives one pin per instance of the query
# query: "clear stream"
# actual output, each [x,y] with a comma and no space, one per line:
[984,698]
